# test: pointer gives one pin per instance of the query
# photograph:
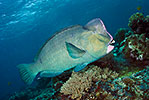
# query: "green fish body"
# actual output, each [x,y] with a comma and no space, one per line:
[75,46]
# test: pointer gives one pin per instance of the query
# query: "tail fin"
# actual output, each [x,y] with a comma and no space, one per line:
[28,72]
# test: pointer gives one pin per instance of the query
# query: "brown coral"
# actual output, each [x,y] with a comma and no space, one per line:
[136,46]
[76,86]
[80,82]
[120,35]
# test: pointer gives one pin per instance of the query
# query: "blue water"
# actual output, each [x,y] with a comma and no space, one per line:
[26,24]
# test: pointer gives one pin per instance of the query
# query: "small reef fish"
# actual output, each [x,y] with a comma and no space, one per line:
[75,46]
[139,8]
[9,83]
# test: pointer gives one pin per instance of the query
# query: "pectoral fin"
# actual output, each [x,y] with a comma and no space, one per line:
[80,67]
[74,51]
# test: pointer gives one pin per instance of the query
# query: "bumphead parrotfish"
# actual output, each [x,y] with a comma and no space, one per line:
[75,46]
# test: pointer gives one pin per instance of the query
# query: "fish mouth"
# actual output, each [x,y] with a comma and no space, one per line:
[112,42]
[110,48]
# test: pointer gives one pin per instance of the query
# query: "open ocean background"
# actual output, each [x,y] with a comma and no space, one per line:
[26,24]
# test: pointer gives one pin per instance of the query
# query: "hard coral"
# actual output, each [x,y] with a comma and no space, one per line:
[136,46]
[80,82]
[138,23]
[134,87]
[103,95]
[120,35]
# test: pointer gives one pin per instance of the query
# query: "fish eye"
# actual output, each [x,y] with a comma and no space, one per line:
[85,28]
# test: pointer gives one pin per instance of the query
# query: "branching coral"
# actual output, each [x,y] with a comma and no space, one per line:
[80,82]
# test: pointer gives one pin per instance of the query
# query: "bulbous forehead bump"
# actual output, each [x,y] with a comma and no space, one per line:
[97,27]
[111,38]
[105,31]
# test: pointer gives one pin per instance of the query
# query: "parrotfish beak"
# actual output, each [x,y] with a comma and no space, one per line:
[110,46]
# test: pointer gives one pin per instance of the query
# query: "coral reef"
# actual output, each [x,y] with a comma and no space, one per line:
[34,93]
[45,89]
[136,46]
[134,43]
[120,35]
[123,74]
[85,79]
[134,87]
[138,23]
[92,83]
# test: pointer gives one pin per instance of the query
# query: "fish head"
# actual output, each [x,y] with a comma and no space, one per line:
[100,39]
